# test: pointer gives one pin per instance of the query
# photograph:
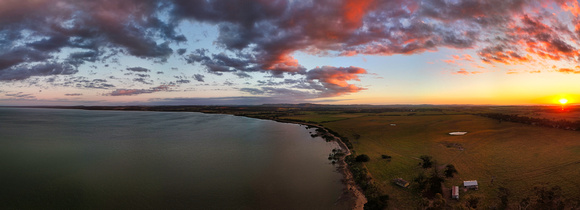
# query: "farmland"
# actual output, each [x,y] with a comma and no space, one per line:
[497,154]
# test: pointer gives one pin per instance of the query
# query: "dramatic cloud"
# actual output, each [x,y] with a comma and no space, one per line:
[326,81]
[334,79]
[58,37]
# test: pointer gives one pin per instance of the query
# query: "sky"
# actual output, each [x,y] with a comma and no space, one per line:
[225,52]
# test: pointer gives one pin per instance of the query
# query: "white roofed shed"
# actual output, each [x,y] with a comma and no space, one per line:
[472,184]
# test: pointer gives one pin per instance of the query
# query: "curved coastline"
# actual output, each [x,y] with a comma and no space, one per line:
[352,195]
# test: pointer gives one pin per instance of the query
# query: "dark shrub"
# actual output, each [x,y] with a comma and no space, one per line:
[386,157]
[427,161]
[362,158]
[449,171]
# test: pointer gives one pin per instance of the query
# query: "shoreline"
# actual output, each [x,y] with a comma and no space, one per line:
[352,195]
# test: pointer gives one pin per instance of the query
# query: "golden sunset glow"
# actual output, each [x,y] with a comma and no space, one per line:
[563,101]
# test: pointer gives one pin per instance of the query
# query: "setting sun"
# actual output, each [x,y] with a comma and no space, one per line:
[563,101]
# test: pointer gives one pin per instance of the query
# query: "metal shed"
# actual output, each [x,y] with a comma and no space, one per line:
[472,184]
[455,192]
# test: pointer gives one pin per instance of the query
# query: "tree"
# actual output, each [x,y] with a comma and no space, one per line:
[380,202]
[449,171]
[421,182]
[362,158]
[435,182]
[430,185]
[427,161]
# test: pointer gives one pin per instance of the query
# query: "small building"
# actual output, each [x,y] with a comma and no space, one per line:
[457,133]
[471,184]
[401,182]
[455,192]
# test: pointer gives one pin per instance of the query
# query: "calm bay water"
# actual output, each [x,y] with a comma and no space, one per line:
[52,158]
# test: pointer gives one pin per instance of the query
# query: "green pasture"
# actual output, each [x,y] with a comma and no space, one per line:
[515,156]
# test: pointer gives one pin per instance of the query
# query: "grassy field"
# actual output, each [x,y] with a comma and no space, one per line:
[515,156]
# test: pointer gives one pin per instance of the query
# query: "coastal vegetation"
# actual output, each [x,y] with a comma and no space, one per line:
[522,157]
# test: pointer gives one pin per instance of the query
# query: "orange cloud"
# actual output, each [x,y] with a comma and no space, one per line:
[467,57]
[572,7]
[354,11]
[282,63]
[457,58]
[334,80]
[568,71]
[465,72]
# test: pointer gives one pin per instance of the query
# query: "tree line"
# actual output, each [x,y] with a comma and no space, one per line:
[562,124]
